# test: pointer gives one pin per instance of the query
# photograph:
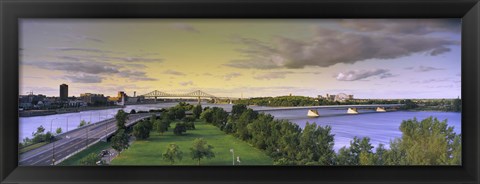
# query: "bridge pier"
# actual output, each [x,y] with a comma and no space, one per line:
[199,100]
[352,111]
[313,113]
[381,109]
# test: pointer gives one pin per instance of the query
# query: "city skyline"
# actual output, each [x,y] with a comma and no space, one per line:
[367,58]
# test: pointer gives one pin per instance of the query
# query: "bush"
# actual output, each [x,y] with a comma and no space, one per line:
[90,159]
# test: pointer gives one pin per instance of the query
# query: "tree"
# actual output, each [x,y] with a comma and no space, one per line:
[351,155]
[161,126]
[178,111]
[428,142]
[141,131]
[207,115]
[180,128]
[90,159]
[151,123]
[59,130]
[237,110]
[82,123]
[172,153]
[49,137]
[197,111]
[241,124]
[120,140]
[121,118]
[409,104]
[40,130]
[457,105]
[316,144]
[201,150]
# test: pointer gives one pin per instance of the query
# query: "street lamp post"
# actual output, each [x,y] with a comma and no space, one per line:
[86,141]
[233,156]
[53,145]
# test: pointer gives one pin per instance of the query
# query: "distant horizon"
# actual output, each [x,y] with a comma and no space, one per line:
[369,58]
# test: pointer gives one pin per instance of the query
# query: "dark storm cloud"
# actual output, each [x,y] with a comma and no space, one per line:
[354,75]
[329,47]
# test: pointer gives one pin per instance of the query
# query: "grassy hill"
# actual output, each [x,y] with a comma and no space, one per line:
[149,152]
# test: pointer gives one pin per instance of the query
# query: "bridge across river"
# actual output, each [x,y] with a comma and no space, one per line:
[72,142]
[351,109]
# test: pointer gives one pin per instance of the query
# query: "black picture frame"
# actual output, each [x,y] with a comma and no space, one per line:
[12,10]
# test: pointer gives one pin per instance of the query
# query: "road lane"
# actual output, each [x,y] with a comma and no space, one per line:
[77,140]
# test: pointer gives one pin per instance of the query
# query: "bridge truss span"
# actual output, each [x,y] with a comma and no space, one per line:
[194,94]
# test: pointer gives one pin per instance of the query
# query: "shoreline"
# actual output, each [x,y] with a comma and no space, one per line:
[61,111]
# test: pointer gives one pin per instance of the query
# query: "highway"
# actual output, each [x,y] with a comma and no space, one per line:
[71,142]
[328,107]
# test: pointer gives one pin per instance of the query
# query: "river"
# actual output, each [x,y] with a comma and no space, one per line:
[380,127]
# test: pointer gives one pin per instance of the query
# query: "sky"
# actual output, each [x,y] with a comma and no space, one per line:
[368,58]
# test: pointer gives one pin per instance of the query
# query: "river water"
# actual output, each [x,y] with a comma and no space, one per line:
[380,127]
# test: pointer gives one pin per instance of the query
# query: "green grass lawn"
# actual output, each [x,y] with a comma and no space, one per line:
[149,152]
[75,159]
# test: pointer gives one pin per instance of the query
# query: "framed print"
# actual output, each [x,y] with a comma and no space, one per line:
[251,91]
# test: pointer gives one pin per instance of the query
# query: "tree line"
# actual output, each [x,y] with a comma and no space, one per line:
[425,142]
[451,105]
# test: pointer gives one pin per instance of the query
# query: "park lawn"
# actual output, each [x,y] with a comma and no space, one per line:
[75,159]
[149,152]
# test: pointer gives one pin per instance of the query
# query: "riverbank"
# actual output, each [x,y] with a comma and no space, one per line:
[31,113]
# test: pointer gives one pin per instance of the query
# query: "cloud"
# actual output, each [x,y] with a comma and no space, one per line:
[184,27]
[136,59]
[230,76]
[91,50]
[329,47]
[135,75]
[84,78]
[354,75]
[423,68]
[173,72]
[72,37]
[403,26]
[431,81]
[271,75]
[188,83]
[103,58]
[439,51]
[76,67]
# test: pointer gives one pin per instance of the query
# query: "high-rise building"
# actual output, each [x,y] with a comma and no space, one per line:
[63,92]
